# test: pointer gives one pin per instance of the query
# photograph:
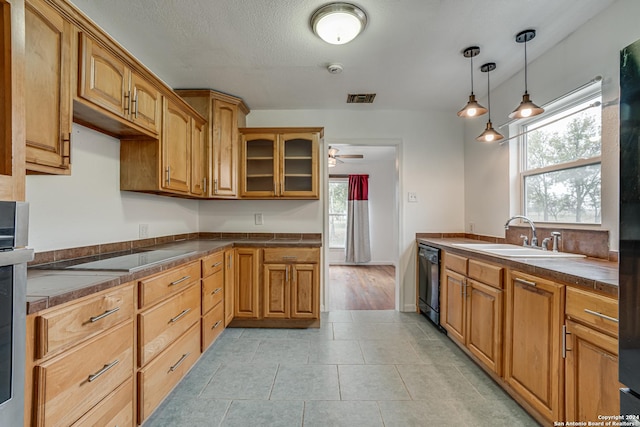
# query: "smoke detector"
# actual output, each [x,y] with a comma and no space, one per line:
[335,68]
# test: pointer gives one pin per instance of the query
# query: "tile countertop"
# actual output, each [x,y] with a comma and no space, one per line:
[48,288]
[590,273]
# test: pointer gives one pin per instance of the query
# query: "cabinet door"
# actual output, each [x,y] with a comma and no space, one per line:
[247,283]
[484,324]
[225,148]
[299,165]
[259,165]
[229,286]
[305,291]
[199,165]
[104,78]
[48,89]
[591,386]
[276,296]
[532,352]
[453,305]
[146,104]
[176,148]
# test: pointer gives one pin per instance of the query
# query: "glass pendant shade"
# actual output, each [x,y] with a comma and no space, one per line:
[332,162]
[472,109]
[338,23]
[526,109]
[489,134]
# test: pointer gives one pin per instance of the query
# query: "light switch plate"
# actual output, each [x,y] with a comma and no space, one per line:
[413,197]
[258,219]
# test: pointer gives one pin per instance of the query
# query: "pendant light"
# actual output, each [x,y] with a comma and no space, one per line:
[472,109]
[526,107]
[489,134]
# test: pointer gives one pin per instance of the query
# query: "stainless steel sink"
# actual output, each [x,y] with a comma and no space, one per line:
[514,251]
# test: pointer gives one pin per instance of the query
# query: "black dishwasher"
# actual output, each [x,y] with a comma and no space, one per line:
[429,282]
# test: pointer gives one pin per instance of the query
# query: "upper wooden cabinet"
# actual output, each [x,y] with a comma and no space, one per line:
[131,105]
[224,113]
[12,126]
[280,163]
[176,148]
[48,38]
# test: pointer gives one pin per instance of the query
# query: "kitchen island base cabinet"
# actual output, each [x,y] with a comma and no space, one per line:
[535,311]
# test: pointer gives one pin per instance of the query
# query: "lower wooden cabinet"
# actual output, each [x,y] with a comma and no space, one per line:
[229,285]
[453,317]
[72,383]
[247,296]
[212,325]
[159,377]
[484,324]
[535,310]
[114,410]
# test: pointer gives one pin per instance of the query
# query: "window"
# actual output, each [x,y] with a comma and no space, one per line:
[560,173]
[338,191]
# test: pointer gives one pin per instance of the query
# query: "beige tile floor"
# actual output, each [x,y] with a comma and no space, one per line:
[361,368]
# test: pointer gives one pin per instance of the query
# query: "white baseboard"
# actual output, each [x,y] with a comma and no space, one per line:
[411,308]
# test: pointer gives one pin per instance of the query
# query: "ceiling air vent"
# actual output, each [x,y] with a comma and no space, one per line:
[361,98]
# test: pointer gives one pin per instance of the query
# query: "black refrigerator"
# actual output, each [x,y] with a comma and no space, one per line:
[629,244]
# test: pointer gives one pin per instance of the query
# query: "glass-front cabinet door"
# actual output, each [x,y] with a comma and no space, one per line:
[299,163]
[260,165]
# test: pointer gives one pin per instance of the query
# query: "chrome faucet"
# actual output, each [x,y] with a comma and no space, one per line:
[534,237]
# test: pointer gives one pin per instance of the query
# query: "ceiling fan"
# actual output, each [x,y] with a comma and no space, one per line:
[334,157]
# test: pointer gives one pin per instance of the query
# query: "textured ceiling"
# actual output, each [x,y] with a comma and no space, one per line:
[264,51]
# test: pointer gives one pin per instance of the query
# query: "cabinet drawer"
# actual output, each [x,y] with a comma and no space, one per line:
[69,385]
[159,326]
[486,273]
[280,255]
[163,285]
[595,310]
[212,264]
[212,325]
[455,263]
[160,376]
[212,291]
[114,410]
[63,327]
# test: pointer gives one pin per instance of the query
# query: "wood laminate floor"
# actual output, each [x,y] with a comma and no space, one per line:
[362,287]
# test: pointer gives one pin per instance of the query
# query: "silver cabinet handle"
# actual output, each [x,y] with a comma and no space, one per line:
[175,319]
[524,282]
[204,185]
[168,176]
[217,291]
[289,257]
[106,367]
[179,280]
[135,103]
[103,315]
[126,102]
[179,362]
[216,324]
[604,316]
[564,341]
[286,275]
[215,186]
[216,264]
[229,262]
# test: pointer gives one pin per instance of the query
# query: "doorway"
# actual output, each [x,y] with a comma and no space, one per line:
[370,286]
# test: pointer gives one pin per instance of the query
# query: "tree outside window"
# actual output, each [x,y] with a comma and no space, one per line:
[561,174]
[338,192]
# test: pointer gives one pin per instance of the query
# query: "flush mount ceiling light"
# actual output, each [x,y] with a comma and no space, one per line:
[489,134]
[472,109]
[338,23]
[526,107]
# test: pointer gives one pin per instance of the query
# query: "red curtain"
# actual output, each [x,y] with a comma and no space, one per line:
[358,187]
[358,248]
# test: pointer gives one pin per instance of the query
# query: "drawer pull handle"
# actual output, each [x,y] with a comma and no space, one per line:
[103,315]
[175,319]
[604,316]
[216,324]
[216,264]
[179,362]
[525,282]
[217,291]
[289,257]
[95,376]
[179,280]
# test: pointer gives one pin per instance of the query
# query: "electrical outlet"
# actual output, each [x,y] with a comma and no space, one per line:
[143,231]
[258,218]
[413,197]
[472,227]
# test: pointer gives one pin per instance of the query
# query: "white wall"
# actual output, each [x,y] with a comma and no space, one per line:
[380,164]
[591,50]
[88,208]
[430,157]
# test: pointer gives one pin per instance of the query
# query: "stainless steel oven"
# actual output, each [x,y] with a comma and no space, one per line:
[429,282]
[13,287]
